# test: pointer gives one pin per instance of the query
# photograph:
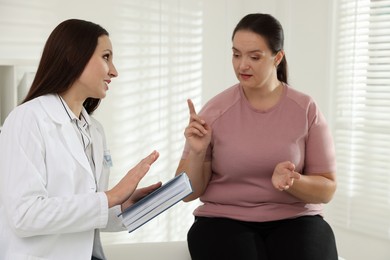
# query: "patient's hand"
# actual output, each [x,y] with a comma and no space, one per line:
[284,175]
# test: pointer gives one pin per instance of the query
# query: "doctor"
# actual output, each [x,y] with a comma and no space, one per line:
[54,164]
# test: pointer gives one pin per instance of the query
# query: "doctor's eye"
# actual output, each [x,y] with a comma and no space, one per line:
[106,57]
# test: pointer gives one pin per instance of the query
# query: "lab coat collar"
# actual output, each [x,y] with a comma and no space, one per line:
[52,105]
[72,116]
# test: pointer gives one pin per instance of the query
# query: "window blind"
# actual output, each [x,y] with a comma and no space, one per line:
[159,47]
[158,54]
[362,117]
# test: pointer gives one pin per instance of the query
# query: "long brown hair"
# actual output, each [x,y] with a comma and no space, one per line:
[65,55]
[271,30]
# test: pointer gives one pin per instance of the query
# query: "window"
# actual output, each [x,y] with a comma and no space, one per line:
[158,53]
[159,59]
[362,117]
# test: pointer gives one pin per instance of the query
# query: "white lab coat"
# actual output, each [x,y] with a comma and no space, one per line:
[50,204]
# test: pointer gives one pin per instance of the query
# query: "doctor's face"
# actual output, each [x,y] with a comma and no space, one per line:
[97,74]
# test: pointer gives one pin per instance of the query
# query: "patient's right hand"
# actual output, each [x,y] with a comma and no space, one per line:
[198,132]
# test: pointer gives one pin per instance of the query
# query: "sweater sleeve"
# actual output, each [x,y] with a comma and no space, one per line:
[320,152]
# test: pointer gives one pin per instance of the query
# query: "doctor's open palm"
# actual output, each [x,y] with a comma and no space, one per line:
[124,193]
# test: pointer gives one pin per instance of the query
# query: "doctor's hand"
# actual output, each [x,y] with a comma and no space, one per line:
[139,194]
[125,188]
[198,132]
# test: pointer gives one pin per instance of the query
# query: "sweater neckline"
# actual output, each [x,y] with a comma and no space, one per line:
[274,107]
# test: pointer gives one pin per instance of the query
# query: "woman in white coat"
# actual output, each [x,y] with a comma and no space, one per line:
[54,165]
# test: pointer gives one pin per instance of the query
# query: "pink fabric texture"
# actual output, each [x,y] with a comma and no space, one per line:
[246,146]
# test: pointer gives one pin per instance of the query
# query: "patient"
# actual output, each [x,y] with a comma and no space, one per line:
[261,159]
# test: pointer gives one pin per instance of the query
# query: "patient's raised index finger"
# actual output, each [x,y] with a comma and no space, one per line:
[191,107]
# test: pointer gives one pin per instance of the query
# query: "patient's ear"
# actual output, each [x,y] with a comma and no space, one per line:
[278,57]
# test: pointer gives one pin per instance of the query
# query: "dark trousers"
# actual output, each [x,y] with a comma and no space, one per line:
[303,238]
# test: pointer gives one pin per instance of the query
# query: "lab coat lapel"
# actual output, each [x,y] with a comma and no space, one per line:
[74,146]
[97,148]
[55,110]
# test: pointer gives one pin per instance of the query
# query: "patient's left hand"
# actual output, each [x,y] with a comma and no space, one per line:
[284,175]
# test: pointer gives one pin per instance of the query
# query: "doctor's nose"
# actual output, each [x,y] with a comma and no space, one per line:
[113,72]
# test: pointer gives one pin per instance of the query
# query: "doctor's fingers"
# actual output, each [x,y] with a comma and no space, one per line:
[144,165]
[149,160]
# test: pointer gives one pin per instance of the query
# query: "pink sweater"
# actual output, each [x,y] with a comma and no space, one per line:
[246,146]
